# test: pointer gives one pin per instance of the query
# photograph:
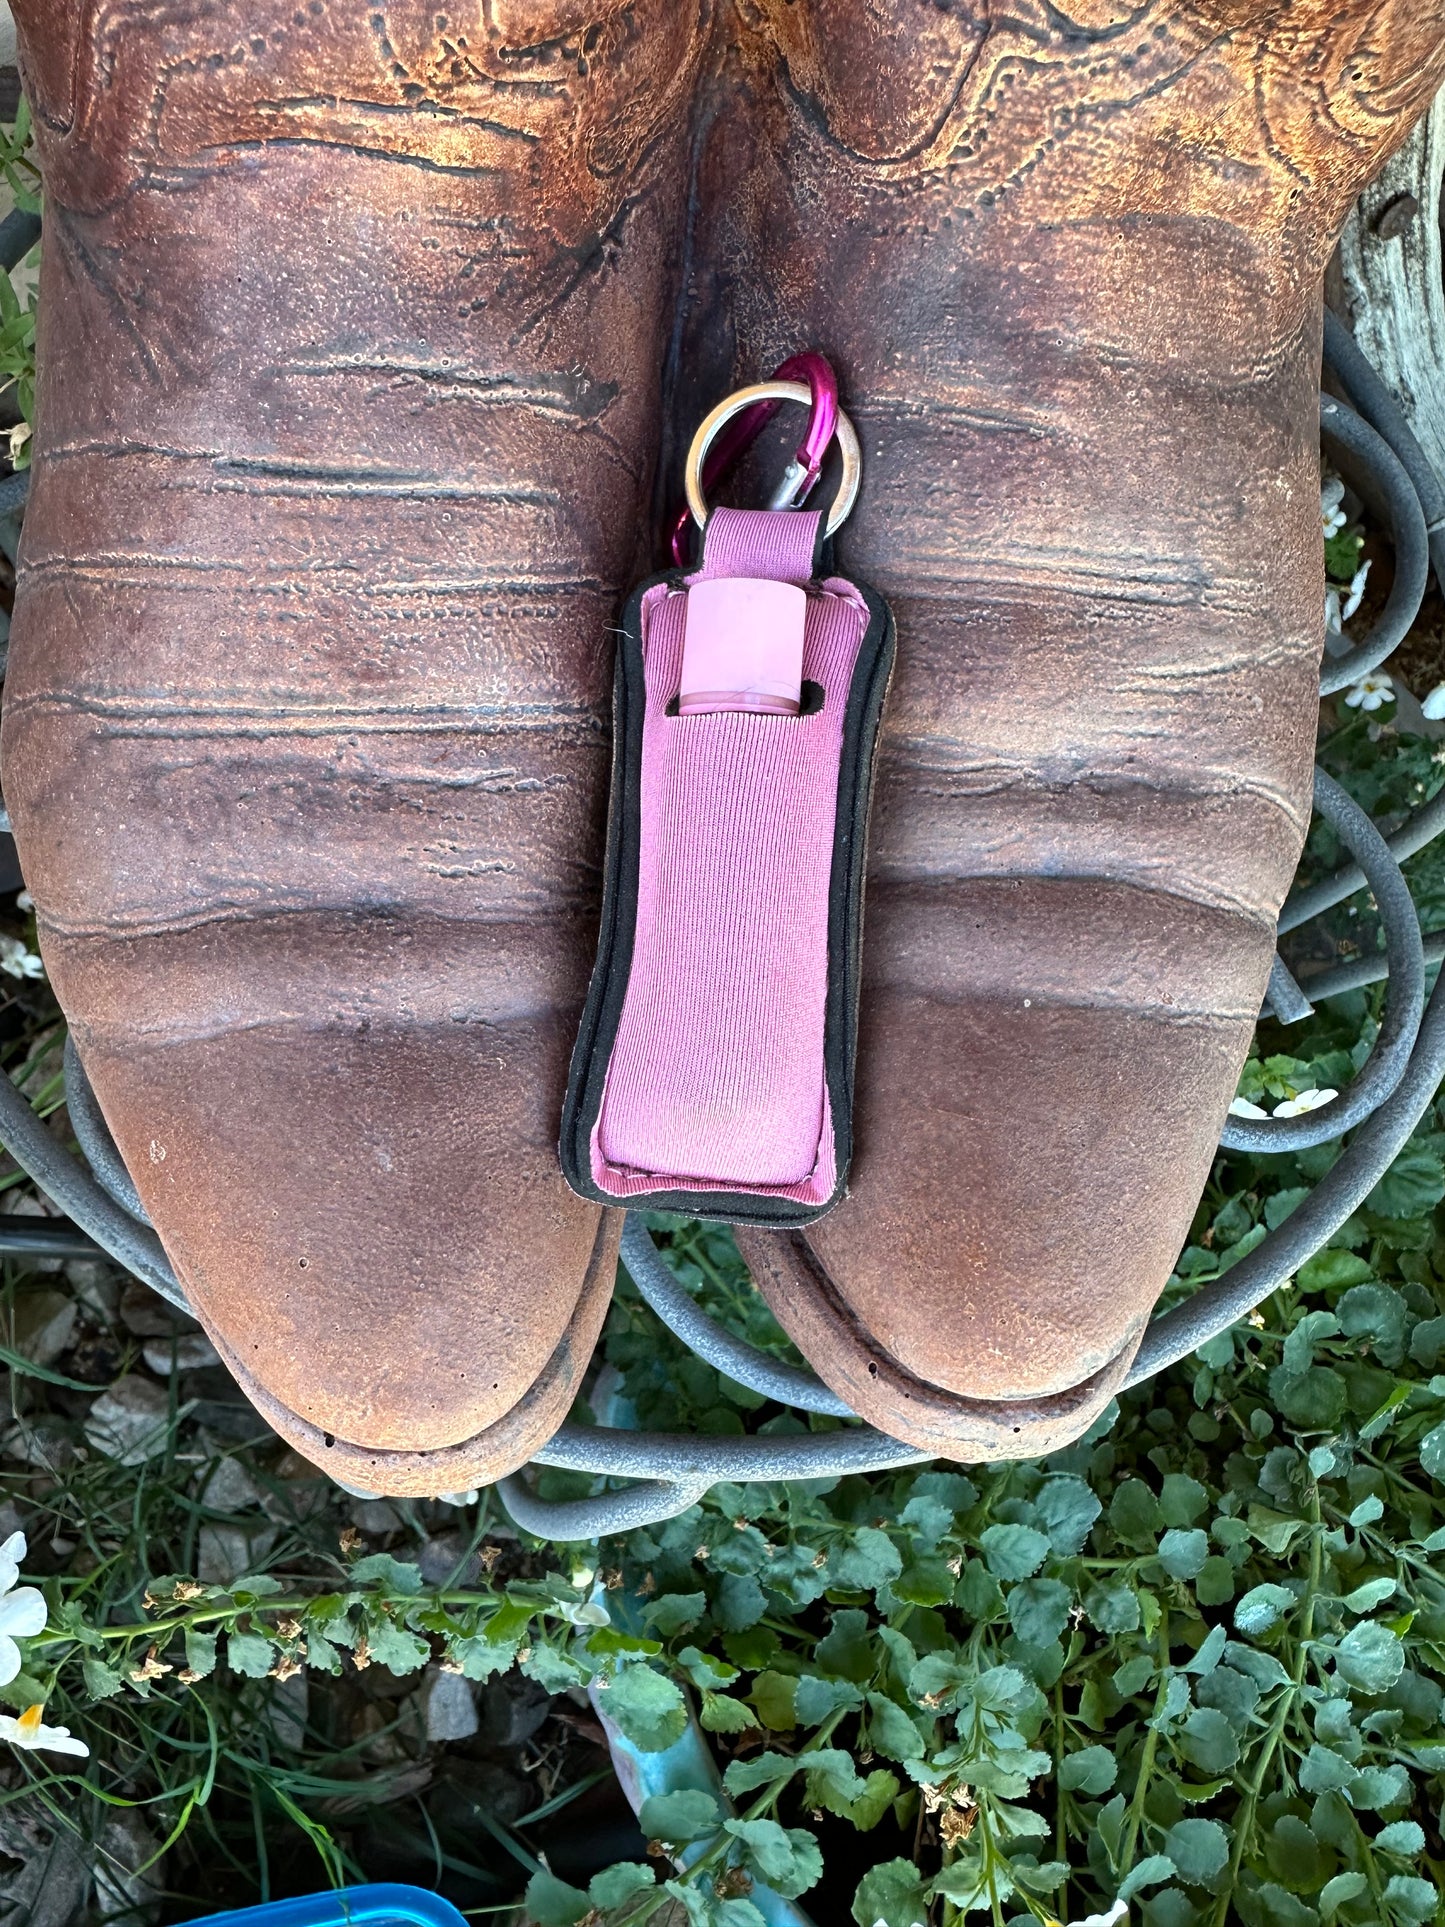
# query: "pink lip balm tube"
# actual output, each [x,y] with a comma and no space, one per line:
[743,647]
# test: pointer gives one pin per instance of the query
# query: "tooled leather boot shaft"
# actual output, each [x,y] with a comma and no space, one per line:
[351,329]
[1068,261]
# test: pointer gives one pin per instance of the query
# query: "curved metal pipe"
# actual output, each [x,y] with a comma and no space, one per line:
[92,1133]
[1371,399]
[1411,837]
[733,1357]
[1407,533]
[1405,1001]
[565,1522]
[1379,1141]
[681,1456]
[72,1187]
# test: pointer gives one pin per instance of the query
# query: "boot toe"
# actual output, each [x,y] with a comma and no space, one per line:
[364,1207]
[1045,1070]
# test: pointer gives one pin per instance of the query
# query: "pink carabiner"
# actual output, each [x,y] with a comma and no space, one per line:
[802,472]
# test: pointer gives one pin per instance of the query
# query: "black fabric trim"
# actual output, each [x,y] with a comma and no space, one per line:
[603,1009]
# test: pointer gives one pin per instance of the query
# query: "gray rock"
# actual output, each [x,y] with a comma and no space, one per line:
[375,1517]
[286,1711]
[225,1552]
[299,1490]
[192,1352]
[130,1422]
[464,1785]
[44,1325]
[127,1897]
[146,1314]
[228,1487]
[448,1708]
[445,1554]
[513,1709]
[45,1447]
[97,1288]
[51,1882]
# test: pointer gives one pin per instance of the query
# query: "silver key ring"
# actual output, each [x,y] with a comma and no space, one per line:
[747,398]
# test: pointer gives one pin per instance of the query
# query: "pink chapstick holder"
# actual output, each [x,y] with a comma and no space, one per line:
[713,1073]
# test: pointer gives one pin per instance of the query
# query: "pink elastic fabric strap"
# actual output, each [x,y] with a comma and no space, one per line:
[716,1079]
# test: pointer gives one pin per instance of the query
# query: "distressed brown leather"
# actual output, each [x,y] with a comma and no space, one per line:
[1068,260]
[352,329]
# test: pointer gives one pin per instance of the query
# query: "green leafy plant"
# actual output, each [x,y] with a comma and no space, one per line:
[17,313]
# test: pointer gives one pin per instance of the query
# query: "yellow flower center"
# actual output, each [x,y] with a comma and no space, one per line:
[29,1721]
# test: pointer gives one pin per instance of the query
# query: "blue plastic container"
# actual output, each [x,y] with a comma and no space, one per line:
[380,1906]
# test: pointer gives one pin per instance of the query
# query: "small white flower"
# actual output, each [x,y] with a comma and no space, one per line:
[22,1614]
[1372,691]
[1341,604]
[24,901]
[1356,593]
[12,1558]
[29,1731]
[457,1498]
[1119,1911]
[1311,1100]
[1241,1107]
[1434,706]
[17,961]
[1332,512]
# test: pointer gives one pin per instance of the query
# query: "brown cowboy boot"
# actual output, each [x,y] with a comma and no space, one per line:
[352,330]
[1069,262]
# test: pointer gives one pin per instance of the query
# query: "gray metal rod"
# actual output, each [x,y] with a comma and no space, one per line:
[1404,1005]
[1284,998]
[1369,970]
[72,1187]
[732,1356]
[1411,837]
[1371,1153]
[92,1133]
[44,1238]
[760,1455]
[1408,534]
[567,1521]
